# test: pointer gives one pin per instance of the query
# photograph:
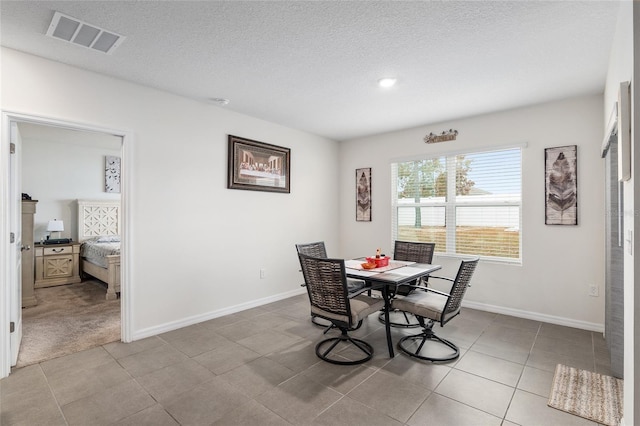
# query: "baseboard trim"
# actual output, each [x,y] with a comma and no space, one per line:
[170,326]
[568,322]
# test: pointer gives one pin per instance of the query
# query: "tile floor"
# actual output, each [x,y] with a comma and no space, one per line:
[258,367]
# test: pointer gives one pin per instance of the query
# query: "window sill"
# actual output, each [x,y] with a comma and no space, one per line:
[483,259]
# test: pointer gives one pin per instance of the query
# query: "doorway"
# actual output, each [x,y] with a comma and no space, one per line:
[68,312]
[8,286]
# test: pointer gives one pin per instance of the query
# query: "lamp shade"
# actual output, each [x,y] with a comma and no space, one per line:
[55,226]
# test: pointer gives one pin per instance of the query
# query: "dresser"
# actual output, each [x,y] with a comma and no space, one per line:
[57,264]
[28,261]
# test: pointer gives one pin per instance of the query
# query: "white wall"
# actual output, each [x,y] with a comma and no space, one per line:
[197,247]
[559,262]
[60,166]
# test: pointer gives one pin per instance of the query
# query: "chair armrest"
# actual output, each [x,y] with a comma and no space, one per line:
[441,278]
[413,286]
[428,289]
[442,293]
[358,292]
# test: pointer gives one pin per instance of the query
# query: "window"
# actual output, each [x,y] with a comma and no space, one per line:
[466,203]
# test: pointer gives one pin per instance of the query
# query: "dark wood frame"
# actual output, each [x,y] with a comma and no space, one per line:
[561,195]
[241,149]
[363,195]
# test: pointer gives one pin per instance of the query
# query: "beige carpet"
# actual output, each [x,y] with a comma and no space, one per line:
[590,395]
[68,319]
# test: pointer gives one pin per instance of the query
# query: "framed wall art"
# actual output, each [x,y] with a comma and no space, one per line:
[561,185]
[258,166]
[112,174]
[363,195]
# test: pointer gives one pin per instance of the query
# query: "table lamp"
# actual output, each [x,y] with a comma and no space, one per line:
[55,226]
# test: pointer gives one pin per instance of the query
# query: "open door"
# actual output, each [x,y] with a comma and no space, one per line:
[15,247]
[11,231]
[13,276]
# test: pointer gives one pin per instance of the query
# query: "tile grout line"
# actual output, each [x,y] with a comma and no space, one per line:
[343,395]
[53,394]
[465,404]
[473,374]
[504,418]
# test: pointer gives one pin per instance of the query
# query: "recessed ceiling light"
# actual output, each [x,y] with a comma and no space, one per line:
[219,101]
[387,82]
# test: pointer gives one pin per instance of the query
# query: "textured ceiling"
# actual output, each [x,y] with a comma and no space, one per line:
[314,65]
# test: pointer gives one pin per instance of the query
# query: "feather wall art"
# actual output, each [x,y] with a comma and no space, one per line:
[561,185]
[363,195]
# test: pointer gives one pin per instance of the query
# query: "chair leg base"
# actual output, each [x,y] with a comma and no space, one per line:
[332,342]
[321,322]
[407,319]
[405,343]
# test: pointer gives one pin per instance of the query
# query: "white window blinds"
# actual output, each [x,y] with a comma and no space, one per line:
[468,204]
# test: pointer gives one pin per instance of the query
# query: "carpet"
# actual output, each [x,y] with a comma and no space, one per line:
[586,394]
[68,319]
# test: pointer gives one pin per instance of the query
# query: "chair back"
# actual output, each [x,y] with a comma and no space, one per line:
[414,252]
[316,249]
[326,281]
[458,289]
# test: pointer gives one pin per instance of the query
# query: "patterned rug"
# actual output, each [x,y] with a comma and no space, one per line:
[590,395]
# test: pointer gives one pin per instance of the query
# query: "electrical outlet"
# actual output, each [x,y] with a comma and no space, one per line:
[263,273]
[593,290]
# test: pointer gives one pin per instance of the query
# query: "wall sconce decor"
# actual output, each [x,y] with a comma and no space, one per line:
[447,135]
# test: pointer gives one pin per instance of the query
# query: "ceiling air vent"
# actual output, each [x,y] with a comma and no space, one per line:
[64,27]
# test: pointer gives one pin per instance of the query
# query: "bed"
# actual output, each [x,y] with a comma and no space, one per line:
[99,233]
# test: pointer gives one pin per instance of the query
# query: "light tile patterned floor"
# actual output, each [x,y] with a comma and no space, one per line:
[258,367]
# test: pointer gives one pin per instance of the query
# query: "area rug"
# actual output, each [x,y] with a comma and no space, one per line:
[586,394]
[68,319]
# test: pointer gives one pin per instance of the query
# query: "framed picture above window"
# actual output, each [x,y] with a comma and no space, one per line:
[363,195]
[561,185]
[258,166]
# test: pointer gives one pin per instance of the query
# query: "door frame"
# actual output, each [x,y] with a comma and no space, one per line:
[126,195]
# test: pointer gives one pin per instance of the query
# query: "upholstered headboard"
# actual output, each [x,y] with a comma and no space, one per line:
[98,218]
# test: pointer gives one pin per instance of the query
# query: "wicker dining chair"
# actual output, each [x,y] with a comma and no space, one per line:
[318,249]
[411,252]
[326,283]
[431,306]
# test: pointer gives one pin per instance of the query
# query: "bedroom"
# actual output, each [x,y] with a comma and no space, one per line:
[60,167]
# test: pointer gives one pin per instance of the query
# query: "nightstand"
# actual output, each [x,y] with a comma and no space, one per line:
[57,264]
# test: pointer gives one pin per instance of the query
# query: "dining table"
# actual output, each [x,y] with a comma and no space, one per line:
[387,279]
